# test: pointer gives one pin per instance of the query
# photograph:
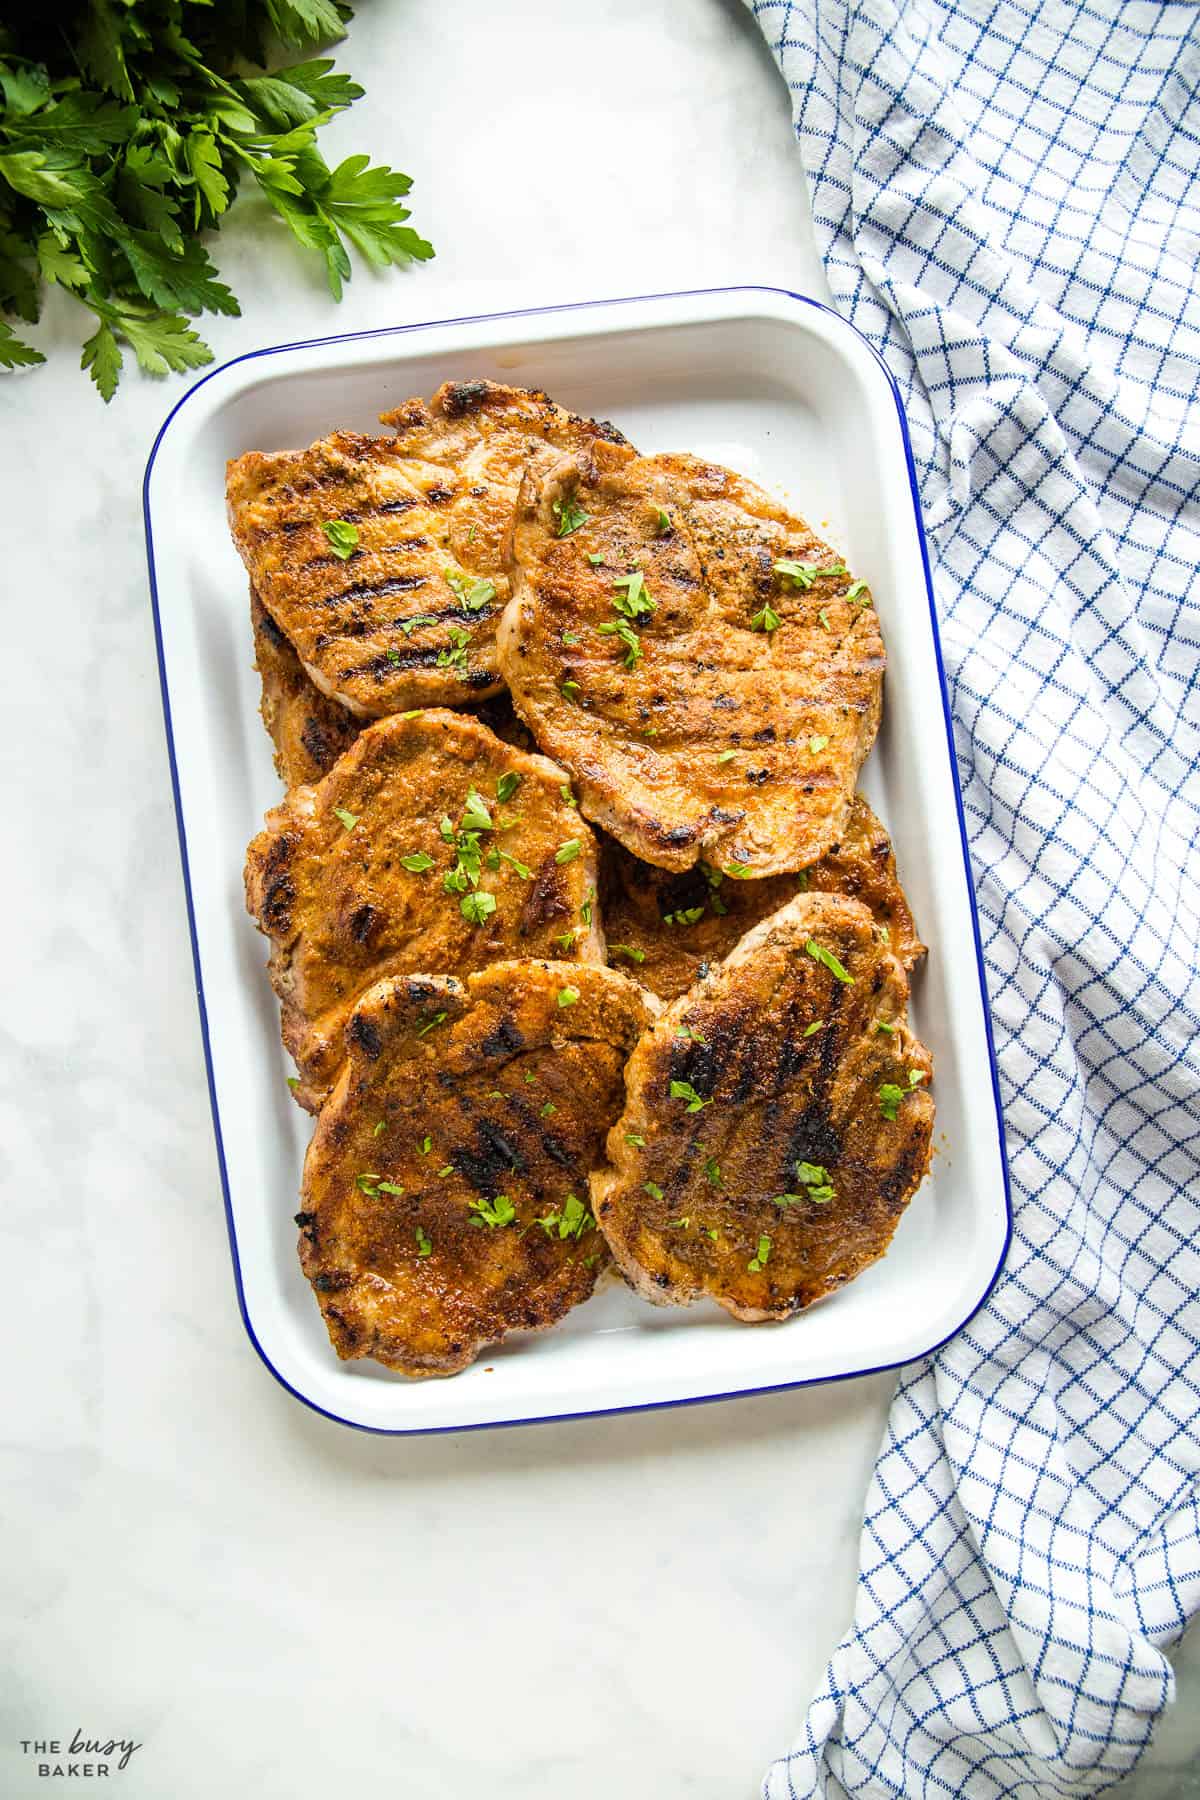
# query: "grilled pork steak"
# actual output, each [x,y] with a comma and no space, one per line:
[777,1120]
[445,1198]
[381,560]
[432,846]
[669,930]
[701,662]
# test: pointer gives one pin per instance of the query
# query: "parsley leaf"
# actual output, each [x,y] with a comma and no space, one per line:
[683,1090]
[635,602]
[342,537]
[417,863]
[476,907]
[493,1213]
[568,996]
[766,619]
[761,1256]
[473,595]
[348,819]
[424,1245]
[890,1097]
[819,954]
[568,851]
[570,516]
[507,785]
[804,575]
[630,950]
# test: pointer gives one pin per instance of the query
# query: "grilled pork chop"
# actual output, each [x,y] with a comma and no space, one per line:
[777,1120]
[429,846]
[308,729]
[696,656]
[669,930]
[445,1198]
[381,559]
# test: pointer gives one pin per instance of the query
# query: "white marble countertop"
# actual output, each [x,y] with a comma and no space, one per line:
[271,1605]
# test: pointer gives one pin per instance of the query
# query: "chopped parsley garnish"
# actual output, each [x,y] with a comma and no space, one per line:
[548,1111]
[446,1169]
[726,756]
[568,996]
[417,863]
[585,910]
[389,1187]
[493,1213]
[473,595]
[567,797]
[568,689]
[507,785]
[425,1146]
[766,619]
[424,1245]
[890,1097]
[664,521]
[816,1179]
[683,1090]
[569,1221]
[293,1082]
[456,657]
[687,915]
[882,1025]
[712,1169]
[683,1224]
[568,852]
[632,1137]
[811,1030]
[624,631]
[689,1031]
[759,1260]
[416,713]
[570,637]
[819,954]
[567,938]
[817,744]
[739,870]
[595,557]
[803,575]
[382,1126]
[476,816]
[824,618]
[518,867]
[629,950]
[859,587]
[408,626]
[348,819]
[342,537]
[530,1077]
[429,1025]
[635,602]
[366,1182]
[652,1188]
[477,907]
[570,516]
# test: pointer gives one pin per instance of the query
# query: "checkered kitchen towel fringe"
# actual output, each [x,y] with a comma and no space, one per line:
[1007,198]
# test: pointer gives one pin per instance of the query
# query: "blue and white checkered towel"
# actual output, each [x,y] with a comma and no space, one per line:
[1007,198]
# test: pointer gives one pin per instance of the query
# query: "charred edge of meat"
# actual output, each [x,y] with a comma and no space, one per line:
[365,1034]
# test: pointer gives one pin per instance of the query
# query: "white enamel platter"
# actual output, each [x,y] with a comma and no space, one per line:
[787,392]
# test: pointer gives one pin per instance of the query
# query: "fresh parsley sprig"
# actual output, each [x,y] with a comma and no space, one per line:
[125,132]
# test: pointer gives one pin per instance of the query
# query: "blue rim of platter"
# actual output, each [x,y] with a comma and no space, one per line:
[534,312]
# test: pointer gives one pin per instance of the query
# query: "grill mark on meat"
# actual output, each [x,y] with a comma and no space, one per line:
[365,1034]
[505,1040]
[546,900]
[377,590]
[403,505]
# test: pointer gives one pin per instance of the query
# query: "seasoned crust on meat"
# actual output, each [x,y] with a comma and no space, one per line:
[445,1192]
[309,731]
[326,878]
[669,930]
[408,617]
[718,708]
[774,1149]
